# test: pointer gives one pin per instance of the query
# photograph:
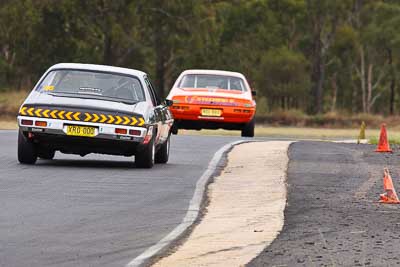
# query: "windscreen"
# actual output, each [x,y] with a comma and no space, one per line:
[212,81]
[94,85]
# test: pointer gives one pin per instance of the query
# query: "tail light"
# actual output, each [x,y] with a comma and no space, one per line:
[41,123]
[27,122]
[148,136]
[135,132]
[121,131]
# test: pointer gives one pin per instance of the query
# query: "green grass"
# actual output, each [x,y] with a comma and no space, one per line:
[295,132]
[305,133]
[392,140]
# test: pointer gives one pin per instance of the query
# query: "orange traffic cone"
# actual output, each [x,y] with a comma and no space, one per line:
[383,145]
[390,196]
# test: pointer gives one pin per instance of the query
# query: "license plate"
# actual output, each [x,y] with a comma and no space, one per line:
[81,130]
[211,112]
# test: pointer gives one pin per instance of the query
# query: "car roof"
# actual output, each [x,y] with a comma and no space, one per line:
[95,67]
[213,72]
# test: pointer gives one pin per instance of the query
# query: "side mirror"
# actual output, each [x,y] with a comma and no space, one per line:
[168,102]
[253,92]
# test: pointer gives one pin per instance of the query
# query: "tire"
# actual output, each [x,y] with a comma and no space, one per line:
[26,150]
[46,154]
[144,157]
[248,129]
[174,129]
[162,154]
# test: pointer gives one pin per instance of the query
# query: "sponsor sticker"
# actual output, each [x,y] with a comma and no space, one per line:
[48,87]
[206,100]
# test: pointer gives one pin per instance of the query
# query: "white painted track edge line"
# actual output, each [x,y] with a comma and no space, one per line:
[193,211]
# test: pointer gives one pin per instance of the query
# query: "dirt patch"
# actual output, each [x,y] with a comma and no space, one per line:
[8,124]
[245,212]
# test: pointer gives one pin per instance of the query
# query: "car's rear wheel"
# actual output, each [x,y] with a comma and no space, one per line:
[248,129]
[174,129]
[26,150]
[144,157]
[162,154]
[46,154]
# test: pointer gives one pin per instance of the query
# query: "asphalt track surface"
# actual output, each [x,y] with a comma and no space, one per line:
[332,216]
[97,210]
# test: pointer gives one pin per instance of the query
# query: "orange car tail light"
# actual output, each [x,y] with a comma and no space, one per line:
[181,107]
[41,123]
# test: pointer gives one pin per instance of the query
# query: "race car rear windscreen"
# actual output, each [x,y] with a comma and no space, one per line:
[212,82]
[94,85]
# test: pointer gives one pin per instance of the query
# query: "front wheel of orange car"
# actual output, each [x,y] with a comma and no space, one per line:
[248,129]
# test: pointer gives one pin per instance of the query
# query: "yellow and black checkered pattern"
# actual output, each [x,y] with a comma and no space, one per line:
[98,117]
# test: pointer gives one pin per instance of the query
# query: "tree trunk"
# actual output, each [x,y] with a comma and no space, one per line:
[320,88]
[317,78]
[392,95]
[362,79]
[334,93]
[106,28]
[107,50]
[161,57]
[369,97]
[354,98]
[160,72]
[392,83]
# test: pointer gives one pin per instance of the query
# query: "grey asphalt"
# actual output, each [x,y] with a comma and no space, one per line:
[97,210]
[333,217]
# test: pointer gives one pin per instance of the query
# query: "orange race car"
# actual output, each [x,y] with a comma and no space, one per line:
[213,99]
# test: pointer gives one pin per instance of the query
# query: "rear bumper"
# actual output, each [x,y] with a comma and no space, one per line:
[206,124]
[229,115]
[105,141]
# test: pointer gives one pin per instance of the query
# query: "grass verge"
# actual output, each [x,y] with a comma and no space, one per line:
[11,101]
[392,140]
[304,133]
[8,123]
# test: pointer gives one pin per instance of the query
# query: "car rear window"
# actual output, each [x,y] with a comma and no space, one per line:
[93,84]
[212,81]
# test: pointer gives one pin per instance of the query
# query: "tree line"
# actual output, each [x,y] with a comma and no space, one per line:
[312,55]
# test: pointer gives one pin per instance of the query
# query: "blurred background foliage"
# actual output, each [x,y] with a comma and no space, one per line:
[302,56]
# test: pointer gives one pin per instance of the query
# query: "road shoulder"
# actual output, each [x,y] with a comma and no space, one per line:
[245,211]
[333,217]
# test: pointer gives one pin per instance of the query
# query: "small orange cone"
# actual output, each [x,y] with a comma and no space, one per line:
[390,196]
[383,145]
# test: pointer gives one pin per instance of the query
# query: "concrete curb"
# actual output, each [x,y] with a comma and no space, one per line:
[193,209]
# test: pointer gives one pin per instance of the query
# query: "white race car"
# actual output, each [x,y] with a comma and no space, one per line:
[82,109]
